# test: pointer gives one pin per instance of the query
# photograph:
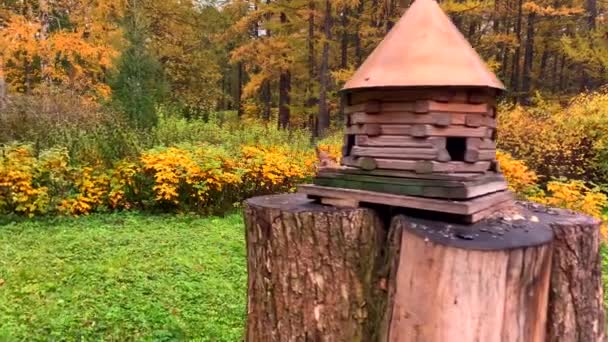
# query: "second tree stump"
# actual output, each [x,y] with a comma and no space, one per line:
[320,273]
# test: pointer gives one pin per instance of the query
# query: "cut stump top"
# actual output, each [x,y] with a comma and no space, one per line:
[523,225]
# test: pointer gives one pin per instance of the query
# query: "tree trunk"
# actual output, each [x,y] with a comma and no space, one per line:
[542,69]
[576,310]
[284,99]
[266,100]
[322,273]
[357,35]
[311,99]
[487,283]
[284,91]
[528,59]
[239,89]
[515,71]
[313,271]
[324,73]
[3,87]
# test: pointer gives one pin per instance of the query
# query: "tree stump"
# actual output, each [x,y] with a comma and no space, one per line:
[321,273]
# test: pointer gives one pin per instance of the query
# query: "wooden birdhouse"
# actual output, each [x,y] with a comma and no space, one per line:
[421,124]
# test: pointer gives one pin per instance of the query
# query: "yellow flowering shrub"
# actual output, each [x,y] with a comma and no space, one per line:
[189,177]
[574,195]
[91,193]
[273,169]
[521,179]
[123,188]
[19,192]
[207,178]
[555,141]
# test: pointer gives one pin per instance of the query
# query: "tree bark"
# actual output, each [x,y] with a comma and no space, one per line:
[311,99]
[313,271]
[239,89]
[284,98]
[576,310]
[266,98]
[482,286]
[515,71]
[321,273]
[528,59]
[284,91]
[3,89]
[323,121]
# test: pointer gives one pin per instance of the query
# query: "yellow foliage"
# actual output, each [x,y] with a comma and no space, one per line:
[121,182]
[92,190]
[182,175]
[18,192]
[566,142]
[521,179]
[269,168]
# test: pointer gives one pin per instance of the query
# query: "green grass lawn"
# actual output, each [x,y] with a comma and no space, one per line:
[123,277]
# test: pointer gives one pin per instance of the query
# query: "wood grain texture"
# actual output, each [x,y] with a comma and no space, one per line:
[388,95]
[430,204]
[408,118]
[411,153]
[418,130]
[446,293]
[576,307]
[432,166]
[399,141]
[412,187]
[455,107]
[315,272]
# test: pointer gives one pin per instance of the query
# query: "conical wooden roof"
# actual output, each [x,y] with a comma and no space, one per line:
[424,48]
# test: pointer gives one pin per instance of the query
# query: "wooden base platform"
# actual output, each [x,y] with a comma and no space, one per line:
[470,211]
[456,187]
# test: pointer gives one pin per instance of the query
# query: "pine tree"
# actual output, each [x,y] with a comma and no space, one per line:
[138,86]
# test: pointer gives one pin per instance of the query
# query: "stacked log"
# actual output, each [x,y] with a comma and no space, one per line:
[415,130]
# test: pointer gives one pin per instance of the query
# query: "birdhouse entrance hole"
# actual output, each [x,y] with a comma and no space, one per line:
[456,148]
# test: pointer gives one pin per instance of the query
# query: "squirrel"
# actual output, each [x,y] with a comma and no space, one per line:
[325,161]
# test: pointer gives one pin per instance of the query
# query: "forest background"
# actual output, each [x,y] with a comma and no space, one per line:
[194,105]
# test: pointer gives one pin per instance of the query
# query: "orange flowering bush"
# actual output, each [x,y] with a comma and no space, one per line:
[91,190]
[569,142]
[574,195]
[267,170]
[521,179]
[207,178]
[190,178]
[19,192]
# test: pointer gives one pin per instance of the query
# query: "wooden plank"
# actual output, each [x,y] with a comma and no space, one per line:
[370,107]
[400,141]
[480,215]
[421,166]
[364,163]
[428,130]
[446,206]
[461,176]
[340,202]
[435,106]
[441,119]
[487,155]
[414,153]
[403,181]
[412,187]
[481,143]
[409,178]
[410,95]
[482,96]
[366,129]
